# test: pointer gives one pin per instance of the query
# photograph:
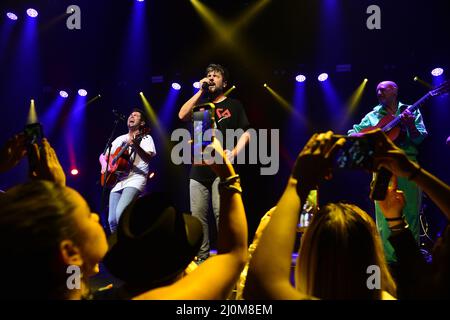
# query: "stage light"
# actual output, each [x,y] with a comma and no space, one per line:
[32,13]
[74,172]
[437,72]
[11,15]
[140,0]
[63,94]
[82,92]
[196,85]
[176,86]
[300,78]
[365,79]
[265,85]
[322,77]
[151,175]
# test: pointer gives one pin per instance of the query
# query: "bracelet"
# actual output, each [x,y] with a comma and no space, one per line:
[229,180]
[394,219]
[415,173]
[399,227]
[231,187]
[228,183]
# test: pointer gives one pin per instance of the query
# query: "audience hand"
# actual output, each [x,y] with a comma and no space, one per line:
[13,151]
[48,167]
[315,161]
[392,206]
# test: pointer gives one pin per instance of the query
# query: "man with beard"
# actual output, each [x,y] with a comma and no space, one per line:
[130,180]
[229,114]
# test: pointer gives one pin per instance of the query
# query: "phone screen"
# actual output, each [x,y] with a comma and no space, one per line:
[357,153]
[203,120]
[34,133]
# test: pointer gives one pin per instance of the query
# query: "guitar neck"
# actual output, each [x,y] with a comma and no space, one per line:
[411,108]
[124,148]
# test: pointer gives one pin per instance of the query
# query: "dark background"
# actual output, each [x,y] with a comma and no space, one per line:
[283,39]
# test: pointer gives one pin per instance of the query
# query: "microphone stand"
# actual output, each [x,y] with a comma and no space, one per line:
[108,152]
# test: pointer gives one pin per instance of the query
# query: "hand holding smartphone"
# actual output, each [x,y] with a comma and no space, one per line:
[34,134]
[203,130]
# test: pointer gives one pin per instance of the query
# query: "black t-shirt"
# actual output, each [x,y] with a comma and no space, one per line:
[230,114]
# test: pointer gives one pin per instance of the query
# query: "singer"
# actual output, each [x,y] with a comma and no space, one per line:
[127,166]
[229,115]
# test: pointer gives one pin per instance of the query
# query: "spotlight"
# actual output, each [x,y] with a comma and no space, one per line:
[196,85]
[300,78]
[32,13]
[437,72]
[265,85]
[74,172]
[140,0]
[151,175]
[82,92]
[322,77]
[63,94]
[11,15]
[176,86]
[365,79]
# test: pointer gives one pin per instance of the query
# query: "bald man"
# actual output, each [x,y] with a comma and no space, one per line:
[412,133]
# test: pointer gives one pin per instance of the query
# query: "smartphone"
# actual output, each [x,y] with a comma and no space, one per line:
[203,118]
[356,153]
[34,133]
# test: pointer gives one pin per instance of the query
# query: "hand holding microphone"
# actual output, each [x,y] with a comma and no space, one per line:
[205,84]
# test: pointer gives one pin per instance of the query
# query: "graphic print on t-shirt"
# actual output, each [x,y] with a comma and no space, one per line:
[222,114]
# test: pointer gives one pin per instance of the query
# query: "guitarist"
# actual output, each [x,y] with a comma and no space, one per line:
[412,133]
[133,179]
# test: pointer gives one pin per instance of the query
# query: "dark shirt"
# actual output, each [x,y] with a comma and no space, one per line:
[229,114]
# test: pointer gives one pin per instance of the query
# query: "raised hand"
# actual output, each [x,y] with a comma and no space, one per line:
[48,167]
[392,206]
[13,151]
[315,161]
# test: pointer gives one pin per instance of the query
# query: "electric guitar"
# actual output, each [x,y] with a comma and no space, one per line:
[389,123]
[118,162]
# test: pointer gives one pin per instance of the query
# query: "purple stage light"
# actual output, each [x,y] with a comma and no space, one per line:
[176,86]
[82,92]
[63,94]
[196,85]
[322,77]
[11,15]
[300,78]
[32,13]
[437,72]
[140,0]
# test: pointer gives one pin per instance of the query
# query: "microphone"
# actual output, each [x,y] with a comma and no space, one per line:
[119,115]
[206,85]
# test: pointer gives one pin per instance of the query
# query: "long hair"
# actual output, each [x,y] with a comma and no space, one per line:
[336,250]
[34,218]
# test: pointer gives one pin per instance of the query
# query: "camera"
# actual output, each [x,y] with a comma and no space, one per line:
[34,133]
[203,129]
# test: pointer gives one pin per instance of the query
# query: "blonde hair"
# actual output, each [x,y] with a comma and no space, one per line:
[337,248]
